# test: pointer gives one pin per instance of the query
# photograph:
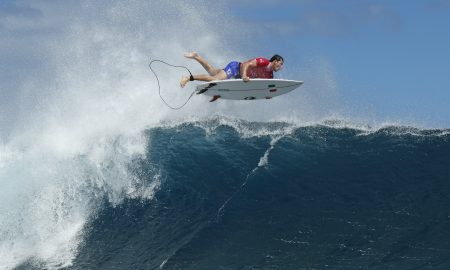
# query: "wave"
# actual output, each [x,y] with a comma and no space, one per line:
[95,172]
[230,194]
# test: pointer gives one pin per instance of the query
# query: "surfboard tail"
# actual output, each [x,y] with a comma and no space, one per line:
[201,91]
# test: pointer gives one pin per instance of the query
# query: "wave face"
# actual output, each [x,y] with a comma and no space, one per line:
[249,195]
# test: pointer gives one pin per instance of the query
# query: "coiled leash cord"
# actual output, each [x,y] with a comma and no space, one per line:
[191,78]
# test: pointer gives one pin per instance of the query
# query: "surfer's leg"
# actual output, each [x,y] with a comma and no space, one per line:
[221,75]
[210,69]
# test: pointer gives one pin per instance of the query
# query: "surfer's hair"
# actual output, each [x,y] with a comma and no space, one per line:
[276,57]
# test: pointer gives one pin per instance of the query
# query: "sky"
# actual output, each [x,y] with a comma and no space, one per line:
[387,60]
[390,56]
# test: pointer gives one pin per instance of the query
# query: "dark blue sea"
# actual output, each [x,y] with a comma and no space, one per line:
[278,196]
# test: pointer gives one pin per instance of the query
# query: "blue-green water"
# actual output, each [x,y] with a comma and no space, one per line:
[314,197]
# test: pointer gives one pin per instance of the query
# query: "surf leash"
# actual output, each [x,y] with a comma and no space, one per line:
[191,78]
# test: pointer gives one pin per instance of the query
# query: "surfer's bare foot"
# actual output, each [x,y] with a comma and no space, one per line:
[191,55]
[184,81]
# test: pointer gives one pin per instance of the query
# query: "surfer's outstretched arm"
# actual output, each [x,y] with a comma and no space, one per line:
[245,67]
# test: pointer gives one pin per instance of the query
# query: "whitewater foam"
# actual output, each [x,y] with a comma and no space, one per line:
[264,160]
[79,127]
[47,198]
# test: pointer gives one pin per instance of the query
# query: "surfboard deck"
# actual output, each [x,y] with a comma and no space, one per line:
[237,89]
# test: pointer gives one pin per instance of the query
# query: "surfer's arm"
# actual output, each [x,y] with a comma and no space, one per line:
[245,67]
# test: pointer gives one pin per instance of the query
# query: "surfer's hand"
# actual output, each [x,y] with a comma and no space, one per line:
[246,79]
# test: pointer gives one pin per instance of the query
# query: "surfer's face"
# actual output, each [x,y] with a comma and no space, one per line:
[277,65]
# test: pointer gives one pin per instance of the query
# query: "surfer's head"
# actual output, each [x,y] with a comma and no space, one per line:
[277,62]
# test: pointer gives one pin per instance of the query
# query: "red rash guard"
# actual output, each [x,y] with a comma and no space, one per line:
[261,70]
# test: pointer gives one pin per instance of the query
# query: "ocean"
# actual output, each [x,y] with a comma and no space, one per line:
[232,194]
[97,173]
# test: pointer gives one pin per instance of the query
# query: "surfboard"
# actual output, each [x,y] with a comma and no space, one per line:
[237,89]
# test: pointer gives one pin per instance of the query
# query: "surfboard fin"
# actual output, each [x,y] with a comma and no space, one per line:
[214,98]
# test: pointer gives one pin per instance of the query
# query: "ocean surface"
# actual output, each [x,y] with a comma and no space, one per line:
[231,194]
[96,172]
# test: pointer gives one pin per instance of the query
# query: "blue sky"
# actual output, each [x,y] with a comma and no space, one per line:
[390,60]
[393,56]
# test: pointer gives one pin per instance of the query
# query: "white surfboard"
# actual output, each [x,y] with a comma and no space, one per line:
[237,89]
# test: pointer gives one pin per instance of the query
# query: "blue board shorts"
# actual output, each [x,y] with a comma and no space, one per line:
[233,70]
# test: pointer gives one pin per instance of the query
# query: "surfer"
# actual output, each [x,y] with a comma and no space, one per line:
[254,68]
